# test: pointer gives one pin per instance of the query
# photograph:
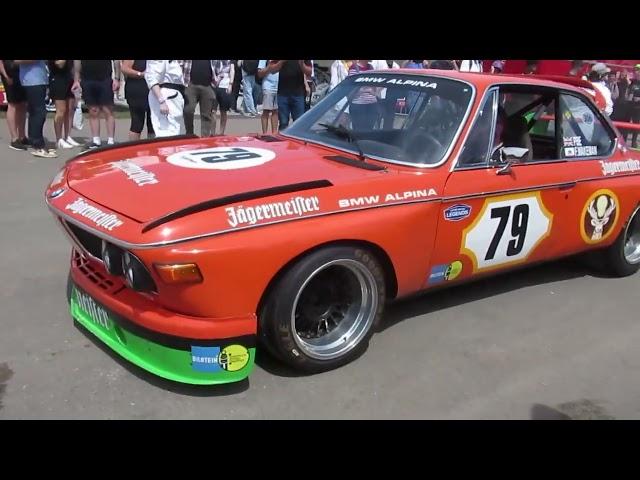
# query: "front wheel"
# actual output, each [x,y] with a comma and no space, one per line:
[623,257]
[322,312]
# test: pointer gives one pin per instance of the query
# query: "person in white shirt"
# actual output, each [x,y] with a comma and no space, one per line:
[596,77]
[471,66]
[225,73]
[339,71]
[384,64]
[166,96]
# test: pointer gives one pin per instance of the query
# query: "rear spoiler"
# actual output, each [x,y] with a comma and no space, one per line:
[575,81]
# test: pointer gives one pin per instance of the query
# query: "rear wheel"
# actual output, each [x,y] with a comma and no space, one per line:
[623,257]
[322,312]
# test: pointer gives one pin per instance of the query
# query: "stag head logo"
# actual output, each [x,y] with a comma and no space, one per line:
[600,216]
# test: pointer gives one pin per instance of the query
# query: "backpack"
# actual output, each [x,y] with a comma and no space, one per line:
[250,66]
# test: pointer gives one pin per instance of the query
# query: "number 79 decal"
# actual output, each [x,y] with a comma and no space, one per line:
[507,229]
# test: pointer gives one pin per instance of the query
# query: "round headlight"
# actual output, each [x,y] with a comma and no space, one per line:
[136,274]
[112,258]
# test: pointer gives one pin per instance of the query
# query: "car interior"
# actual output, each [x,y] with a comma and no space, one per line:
[528,126]
[422,134]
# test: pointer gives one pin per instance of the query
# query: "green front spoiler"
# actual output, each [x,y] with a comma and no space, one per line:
[186,360]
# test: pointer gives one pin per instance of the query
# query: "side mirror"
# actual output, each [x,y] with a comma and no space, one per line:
[506,157]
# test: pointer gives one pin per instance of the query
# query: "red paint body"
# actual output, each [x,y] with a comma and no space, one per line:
[238,264]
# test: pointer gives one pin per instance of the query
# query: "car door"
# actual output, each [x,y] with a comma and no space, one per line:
[604,194]
[500,210]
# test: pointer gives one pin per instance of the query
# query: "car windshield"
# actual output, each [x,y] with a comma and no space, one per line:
[402,118]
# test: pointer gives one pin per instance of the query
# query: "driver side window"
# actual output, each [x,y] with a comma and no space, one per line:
[475,152]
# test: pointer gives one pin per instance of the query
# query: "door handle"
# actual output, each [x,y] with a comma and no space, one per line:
[567,186]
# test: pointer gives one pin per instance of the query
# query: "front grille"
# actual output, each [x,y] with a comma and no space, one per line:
[88,241]
[93,273]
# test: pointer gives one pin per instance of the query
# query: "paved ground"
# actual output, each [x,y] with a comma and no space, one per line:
[552,342]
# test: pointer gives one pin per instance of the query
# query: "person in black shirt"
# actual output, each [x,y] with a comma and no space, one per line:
[291,88]
[200,79]
[235,89]
[96,80]
[633,97]
[17,100]
[60,83]
[620,106]
[136,92]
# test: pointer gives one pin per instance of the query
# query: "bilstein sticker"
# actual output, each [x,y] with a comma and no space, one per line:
[446,272]
[211,359]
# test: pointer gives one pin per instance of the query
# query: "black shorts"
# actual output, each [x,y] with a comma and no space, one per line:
[97,93]
[224,99]
[60,88]
[15,92]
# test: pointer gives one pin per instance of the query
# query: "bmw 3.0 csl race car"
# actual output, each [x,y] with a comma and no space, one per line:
[187,252]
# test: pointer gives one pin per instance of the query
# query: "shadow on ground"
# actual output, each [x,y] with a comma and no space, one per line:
[5,374]
[579,410]
[440,299]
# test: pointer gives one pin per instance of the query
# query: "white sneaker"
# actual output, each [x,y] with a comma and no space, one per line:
[62,143]
[41,152]
[72,142]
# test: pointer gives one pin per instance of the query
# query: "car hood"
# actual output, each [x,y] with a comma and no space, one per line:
[148,181]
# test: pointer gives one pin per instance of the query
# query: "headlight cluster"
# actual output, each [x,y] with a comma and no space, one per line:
[119,262]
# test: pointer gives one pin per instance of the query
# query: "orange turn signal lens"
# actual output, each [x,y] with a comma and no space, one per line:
[179,273]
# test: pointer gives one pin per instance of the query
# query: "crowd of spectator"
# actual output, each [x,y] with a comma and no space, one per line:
[164,95]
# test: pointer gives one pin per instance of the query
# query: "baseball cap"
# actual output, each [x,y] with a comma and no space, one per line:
[600,68]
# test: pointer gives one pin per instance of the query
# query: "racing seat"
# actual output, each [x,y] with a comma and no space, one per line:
[516,134]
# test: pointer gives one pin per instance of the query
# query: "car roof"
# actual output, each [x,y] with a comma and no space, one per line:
[485,80]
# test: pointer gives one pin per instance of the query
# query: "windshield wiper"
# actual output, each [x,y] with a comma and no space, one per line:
[344,132]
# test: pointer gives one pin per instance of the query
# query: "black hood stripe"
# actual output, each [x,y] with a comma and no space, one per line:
[355,163]
[239,197]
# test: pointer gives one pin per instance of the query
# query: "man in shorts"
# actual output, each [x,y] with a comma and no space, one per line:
[225,73]
[98,83]
[17,100]
[269,95]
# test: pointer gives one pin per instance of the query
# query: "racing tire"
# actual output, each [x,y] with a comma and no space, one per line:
[322,312]
[623,257]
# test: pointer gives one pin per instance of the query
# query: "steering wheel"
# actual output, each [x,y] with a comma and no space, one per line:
[421,146]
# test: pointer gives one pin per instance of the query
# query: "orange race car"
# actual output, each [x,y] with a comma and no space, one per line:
[188,251]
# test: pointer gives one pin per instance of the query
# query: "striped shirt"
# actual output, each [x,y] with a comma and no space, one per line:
[366,95]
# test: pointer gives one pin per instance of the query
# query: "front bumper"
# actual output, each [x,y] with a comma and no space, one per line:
[204,361]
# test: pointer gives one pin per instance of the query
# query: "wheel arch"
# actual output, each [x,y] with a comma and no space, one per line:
[391,282]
